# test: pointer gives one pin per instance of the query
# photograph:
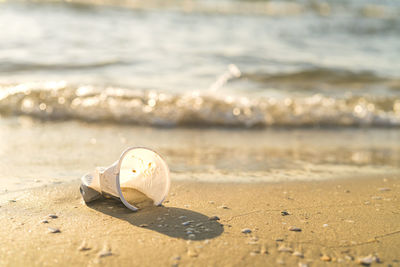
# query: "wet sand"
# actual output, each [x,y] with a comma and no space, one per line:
[337,221]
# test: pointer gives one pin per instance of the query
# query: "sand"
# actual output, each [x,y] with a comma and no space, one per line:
[340,221]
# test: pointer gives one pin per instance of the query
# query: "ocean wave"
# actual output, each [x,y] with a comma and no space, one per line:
[318,78]
[16,66]
[319,74]
[369,9]
[60,101]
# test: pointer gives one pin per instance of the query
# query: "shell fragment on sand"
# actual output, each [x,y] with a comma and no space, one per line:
[192,253]
[54,230]
[213,218]
[246,231]
[326,258]
[294,229]
[368,260]
[285,249]
[384,189]
[298,254]
[105,252]
[83,246]
[263,250]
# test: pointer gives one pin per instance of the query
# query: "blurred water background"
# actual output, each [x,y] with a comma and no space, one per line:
[227,89]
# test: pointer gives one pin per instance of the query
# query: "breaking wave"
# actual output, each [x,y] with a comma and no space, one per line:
[60,101]
[366,8]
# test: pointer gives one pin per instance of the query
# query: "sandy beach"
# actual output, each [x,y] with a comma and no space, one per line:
[278,121]
[334,222]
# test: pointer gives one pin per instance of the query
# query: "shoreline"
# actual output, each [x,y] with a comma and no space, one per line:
[339,222]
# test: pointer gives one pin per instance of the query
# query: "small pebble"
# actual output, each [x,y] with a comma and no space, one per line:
[325,225]
[253,240]
[105,252]
[264,250]
[348,257]
[279,240]
[176,258]
[214,218]
[186,223]
[54,230]
[246,231]
[192,253]
[191,236]
[144,225]
[384,189]
[12,201]
[285,249]
[298,254]
[377,260]
[284,213]
[53,216]
[223,207]
[211,202]
[326,258]
[182,217]
[294,229]
[368,260]
[83,246]
[44,221]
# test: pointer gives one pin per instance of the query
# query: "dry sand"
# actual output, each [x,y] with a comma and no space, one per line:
[340,221]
